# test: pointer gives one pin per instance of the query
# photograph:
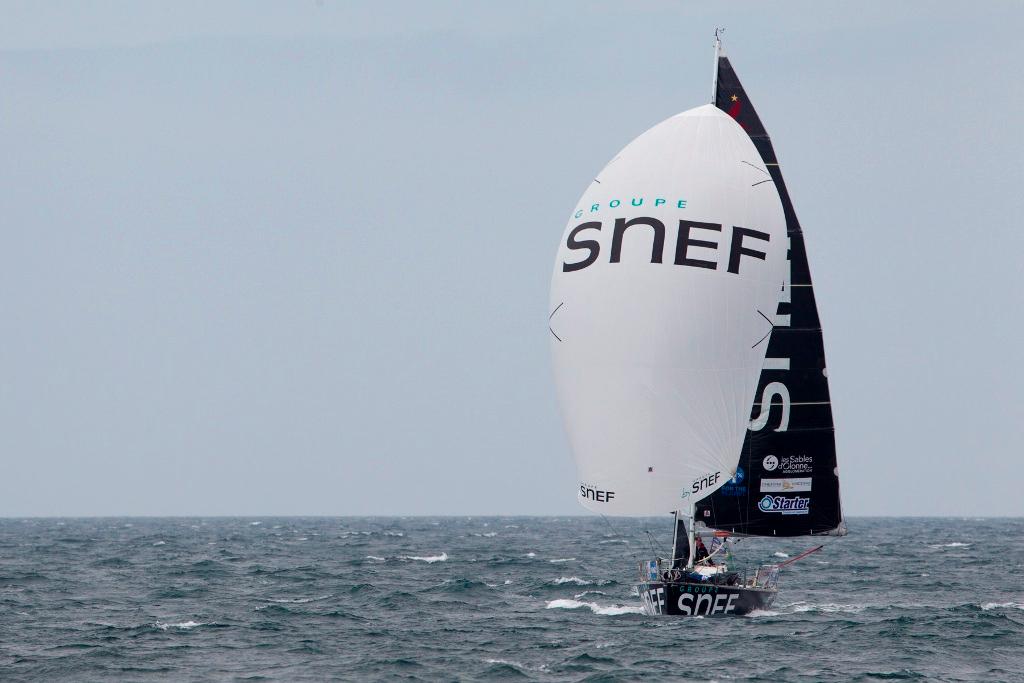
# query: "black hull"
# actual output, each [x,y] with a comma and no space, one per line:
[702,600]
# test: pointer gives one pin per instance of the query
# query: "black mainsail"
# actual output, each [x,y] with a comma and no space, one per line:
[787,481]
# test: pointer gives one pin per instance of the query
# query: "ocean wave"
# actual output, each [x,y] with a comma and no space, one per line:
[562,559]
[297,601]
[954,544]
[181,625]
[489,534]
[443,557]
[530,555]
[780,554]
[761,613]
[829,608]
[1002,605]
[613,540]
[393,533]
[580,596]
[571,579]
[610,610]
[374,557]
[160,543]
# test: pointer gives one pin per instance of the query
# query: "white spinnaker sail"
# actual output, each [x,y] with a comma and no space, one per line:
[655,347]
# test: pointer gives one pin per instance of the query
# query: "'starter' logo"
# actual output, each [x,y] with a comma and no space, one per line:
[596,494]
[785,505]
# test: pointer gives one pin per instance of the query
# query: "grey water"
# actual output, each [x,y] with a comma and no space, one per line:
[486,598]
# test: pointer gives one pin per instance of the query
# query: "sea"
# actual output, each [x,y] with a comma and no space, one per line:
[494,598]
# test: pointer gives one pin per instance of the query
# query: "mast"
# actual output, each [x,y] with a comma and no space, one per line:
[690,537]
[718,52]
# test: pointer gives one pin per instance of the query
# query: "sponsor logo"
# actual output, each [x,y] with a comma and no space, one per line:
[720,603]
[785,485]
[797,464]
[785,505]
[735,486]
[654,601]
[656,202]
[593,493]
[770,462]
[696,243]
[703,483]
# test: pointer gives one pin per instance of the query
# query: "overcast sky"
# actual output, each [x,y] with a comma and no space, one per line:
[293,258]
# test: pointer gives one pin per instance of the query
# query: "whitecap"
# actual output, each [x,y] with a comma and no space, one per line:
[297,601]
[829,607]
[1002,605]
[255,523]
[183,625]
[614,540]
[160,543]
[393,533]
[571,579]
[761,613]
[580,596]
[779,554]
[508,581]
[374,557]
[530,555]
[611,610]
[511,526]
[562,559]
[443,557]
[954,544]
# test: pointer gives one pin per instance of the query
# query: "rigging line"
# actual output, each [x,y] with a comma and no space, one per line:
[761,182]
[759,313]
[552,316]
[758,341]
[607,521]
[757,167]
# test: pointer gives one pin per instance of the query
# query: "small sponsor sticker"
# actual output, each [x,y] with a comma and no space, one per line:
[785,485]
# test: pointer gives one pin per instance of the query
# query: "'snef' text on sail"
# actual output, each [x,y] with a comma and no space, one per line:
[694,242]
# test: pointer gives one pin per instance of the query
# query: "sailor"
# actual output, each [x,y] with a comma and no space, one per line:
[701,553]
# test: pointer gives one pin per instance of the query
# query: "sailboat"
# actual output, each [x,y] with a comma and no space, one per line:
[688,353]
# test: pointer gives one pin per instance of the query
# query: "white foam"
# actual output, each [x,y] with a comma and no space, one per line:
[614,540]
[374,557]
[255,523]
[829,607]
[183,625]
[954,544]
[580,596]
[393,533]
[611,610]
[761,613]
[530,555]
[562,559]
[571,579]
[777,554]
[160,543]
[443,557]
[508,582]
[1002,605]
